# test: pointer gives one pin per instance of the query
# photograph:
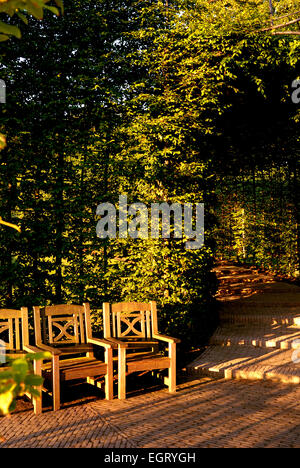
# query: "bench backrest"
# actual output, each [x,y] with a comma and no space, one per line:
[129,319]
[14,328]
[61,324]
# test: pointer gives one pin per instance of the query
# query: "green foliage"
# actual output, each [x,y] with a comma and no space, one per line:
[164,157]
[20,9]
[103,121]
[266,207]
[257,157]
[17,379]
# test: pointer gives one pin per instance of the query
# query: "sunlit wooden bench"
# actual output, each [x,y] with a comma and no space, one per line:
[65,331]
[14,336]
[132,327]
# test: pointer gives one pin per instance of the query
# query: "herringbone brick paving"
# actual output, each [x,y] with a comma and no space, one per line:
[204,413]
[211,413]
[73,427]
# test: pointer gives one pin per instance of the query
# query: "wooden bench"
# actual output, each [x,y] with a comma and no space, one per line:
[132,327]
[65,331]
[14,336]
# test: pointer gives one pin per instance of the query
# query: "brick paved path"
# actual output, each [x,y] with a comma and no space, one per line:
[259,332]
[204,413]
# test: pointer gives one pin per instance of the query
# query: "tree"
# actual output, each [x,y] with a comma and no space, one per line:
[20,9]
[257,151]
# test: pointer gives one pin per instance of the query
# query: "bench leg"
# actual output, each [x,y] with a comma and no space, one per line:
[121,373]
[37,402]
[55,383]
[172,369]
[109,392]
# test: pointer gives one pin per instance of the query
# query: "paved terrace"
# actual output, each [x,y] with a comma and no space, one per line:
[206,412]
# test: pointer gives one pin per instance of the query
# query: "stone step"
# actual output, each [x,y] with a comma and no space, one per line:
[234,269]
[277,336]
[264,287]
[259,331]
[248,362]
[267,290]
[264,299]
[246,278]
[260,313]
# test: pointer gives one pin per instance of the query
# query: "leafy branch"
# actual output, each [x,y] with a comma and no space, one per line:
[22,8]
[19,379]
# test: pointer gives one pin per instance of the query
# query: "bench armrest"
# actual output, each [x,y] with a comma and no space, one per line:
[101,342]
[44,347]
[32,349]
[168,339]
[115,341]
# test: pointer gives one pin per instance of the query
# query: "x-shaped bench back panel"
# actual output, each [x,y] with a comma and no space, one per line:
[61,324]
[129,319]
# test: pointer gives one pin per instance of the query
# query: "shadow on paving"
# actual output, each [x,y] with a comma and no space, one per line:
[211,413]
[203,413]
